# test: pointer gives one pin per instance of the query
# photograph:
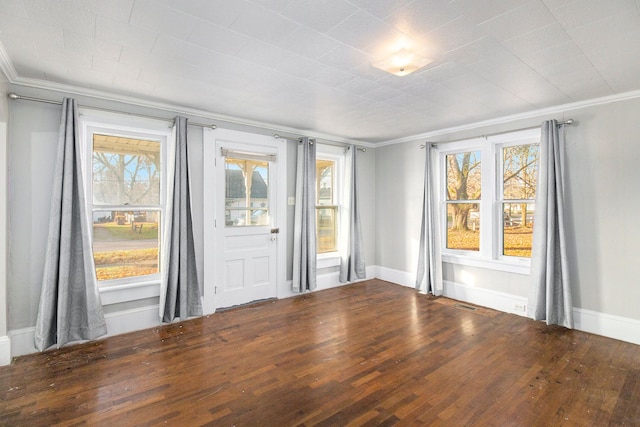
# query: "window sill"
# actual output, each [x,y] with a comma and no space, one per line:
[327,260]
[129,292]
[519,266]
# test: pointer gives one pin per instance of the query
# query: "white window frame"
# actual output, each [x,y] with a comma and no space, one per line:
[489,256]
[337,155]
[93,121]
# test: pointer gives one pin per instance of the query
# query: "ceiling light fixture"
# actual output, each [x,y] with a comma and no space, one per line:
[402,62]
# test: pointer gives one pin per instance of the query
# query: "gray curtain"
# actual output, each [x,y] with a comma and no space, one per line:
[180,290]
[70,308]
[304,234]
[352,265]
[429,274]
[550,297]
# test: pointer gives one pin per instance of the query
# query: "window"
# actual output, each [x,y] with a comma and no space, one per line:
[487,197]
[246,192]
[518,191]
[126,200]
[326,206]
[463,198]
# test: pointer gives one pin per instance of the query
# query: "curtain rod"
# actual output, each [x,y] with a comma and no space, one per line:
[14,96]
[563,123]
[313,140]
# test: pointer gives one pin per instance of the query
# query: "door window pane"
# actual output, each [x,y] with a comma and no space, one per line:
[246,192]
[125,243]
[126,171]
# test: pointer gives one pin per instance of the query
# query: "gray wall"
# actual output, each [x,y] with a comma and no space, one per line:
[32,141]
[4,128]
[602,153]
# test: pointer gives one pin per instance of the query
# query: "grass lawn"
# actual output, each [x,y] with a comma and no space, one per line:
[127,263]
[517,240]
[109,231]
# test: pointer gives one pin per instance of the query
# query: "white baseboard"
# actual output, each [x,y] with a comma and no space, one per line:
[327,281]
[5,350]
[396,276]
[22,340]
[135,319]
[500,301]
[607,325]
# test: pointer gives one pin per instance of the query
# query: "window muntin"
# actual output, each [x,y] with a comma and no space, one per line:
[508,174]
[126,201]
[463,184]
[518,192]
[326,206]
[246,192]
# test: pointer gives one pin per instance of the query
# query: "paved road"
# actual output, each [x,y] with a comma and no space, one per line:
[124,245]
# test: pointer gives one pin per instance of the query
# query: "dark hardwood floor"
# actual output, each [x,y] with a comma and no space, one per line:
[372,354]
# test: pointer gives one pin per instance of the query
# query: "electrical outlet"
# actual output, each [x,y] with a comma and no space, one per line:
[520,307]
[291,201]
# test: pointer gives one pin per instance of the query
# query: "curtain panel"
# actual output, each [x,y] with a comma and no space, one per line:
[352,265]
[304,237]
[70,308]
[429,272]
[550,297]
[179,289]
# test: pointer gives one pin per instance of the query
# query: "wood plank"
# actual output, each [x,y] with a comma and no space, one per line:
[371,353]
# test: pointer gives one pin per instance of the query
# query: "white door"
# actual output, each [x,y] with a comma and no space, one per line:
[246,235]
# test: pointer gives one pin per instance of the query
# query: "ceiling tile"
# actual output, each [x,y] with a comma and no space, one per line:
[583,12]
[320,15]
[365,32]
[78,20]
[219,12]
[89,46]
[345,58]
[331,77]
[147,14]
[264,25]
[258,52]
[14,8]
[531,16]
[482,10]
[116,9]
[418,18]
[539,39]
[308,64]
[453,35]
[218,38]
[309,43]
[118,32]
[381,8]
[275,5]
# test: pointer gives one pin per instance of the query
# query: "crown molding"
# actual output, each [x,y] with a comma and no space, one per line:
[521,116]
[293,133]
[6,65]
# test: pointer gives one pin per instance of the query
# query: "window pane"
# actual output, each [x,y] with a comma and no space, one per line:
[246,192]
[517,229]
[326,229]
[125,244]
[520,171]
[325,171]
[463,226]
[126,171]
[463,176]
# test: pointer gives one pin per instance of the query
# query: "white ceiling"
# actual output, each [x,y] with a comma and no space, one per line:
[306,64]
